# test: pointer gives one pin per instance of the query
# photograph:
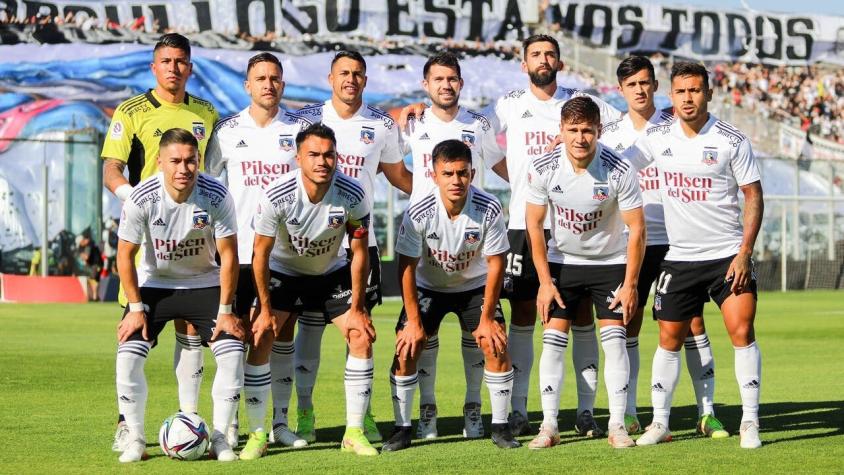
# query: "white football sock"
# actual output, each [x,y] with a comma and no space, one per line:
[473,367]
[584,355]
[749,377]
[281,366]
[520,346]
[427,370]
[306,356]
[633,381]
[256,390]
[616,370]
[358,384]
[403,388]
[132,384]
[551,374]
[228,382]
[701,368]
[188,365]
[500,387]
[666,372]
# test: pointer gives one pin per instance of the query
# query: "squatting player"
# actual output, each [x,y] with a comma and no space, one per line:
[308,212]
[179,219]
[591,194]
[457,232]
[132,141]
[445,120]
[367,141]
[253,148]
[703,163]
[637,83]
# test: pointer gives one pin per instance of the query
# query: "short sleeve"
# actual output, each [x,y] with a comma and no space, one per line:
[225,222]
[215,161]
[267,218]
[491,153]
[639,154]
[496,112]
[628,194]
[133,223]
[391,153]
[537,190]
[496,241]
[118,139]
[408,239]
[608,112]
[744,165]
[359,217]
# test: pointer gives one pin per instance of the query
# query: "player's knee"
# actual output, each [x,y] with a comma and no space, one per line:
[742,335]
[359,342]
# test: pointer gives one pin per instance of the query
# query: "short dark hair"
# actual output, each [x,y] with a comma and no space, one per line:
[632,65]
[317,129]
[263,58]
[539,39]
[689,68]
[173,40]
[443,58]
[351,54]
[451,150]
[580,109]
[179,136]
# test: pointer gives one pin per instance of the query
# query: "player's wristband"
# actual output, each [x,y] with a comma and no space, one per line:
[123,191]
[136,306]
[224,309]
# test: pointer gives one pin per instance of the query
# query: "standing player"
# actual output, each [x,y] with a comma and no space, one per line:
[447,120]
[367,141]
[179,219]
[592,193]
[253,148]
[458,233]
[308,212]
[132,141]
[703,163]
[531,120]
[637,83]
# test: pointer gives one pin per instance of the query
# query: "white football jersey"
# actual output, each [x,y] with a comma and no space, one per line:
[251,158]
[531,124]
[452,252]
[473,129]
[620,135]
[177,240]
[364,140]
[699,181]
[309,235]
[585,208]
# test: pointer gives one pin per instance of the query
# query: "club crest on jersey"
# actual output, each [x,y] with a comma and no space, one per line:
[367,135]
[200,219]
[199,130]
[285,143]
[471,237]
[710,157]
[468,139]
[600,193]
[335,220]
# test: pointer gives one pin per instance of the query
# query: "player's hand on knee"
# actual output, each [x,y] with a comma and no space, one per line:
[132,322]
[409,341]
[494,334]
[263,326]
[230,324]
[545,298]
[358,320]
[628,297]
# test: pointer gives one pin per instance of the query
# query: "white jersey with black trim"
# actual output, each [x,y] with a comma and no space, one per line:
[472,128]
[452,252]
[530,125]
[699,182]
[364,140]
[309,235]
[585,208]
[178,240]
[251,158]
[620,135]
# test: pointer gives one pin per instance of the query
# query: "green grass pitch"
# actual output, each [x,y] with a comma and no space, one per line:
[57,403]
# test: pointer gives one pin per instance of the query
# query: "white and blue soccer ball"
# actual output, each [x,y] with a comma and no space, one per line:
[184,436]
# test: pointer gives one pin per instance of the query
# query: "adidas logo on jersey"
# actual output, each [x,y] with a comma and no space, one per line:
[619,148]
[158,222]
[241,144]
[433,235]
[557,189]
[527,115]
[157,133]
[294,222]
[425,136]
[667,153]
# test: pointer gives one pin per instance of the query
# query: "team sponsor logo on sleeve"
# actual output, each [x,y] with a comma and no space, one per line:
[367,135]
[199,130]
[468,138]
[472,237]
[710,157]
[600,192]
[285,143]
[117,130]
[200,219]
[335,219]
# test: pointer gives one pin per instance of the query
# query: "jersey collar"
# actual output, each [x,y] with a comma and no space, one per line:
[157,102]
